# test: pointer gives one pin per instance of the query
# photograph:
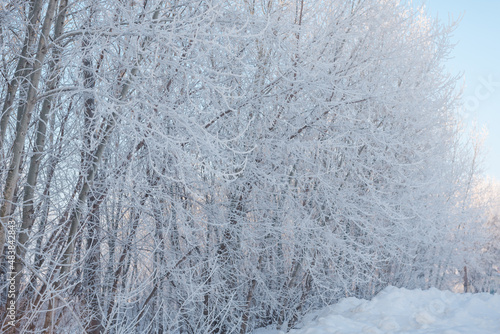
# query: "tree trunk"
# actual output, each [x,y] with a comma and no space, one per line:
[24,117]
[22,70]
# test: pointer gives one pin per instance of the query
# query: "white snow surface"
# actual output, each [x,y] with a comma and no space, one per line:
[396,310]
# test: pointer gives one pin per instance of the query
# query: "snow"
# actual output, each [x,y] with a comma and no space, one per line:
[396,310]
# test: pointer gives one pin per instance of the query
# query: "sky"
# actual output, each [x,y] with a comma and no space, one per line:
[477,56]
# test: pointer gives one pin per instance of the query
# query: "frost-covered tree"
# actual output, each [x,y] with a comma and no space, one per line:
[217,166]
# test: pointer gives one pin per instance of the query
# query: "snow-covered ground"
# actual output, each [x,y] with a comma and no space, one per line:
[396,310]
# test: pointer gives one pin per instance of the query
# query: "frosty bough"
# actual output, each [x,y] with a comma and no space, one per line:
[217,166]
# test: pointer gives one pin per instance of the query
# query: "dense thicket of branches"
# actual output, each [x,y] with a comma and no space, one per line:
[218,166]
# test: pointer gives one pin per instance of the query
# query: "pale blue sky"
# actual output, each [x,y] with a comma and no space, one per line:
[477,55]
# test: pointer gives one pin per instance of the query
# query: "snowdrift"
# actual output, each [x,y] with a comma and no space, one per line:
[396,310]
